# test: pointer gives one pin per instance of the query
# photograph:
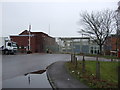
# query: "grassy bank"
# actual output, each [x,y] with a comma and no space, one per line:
[103,56]
[108,70]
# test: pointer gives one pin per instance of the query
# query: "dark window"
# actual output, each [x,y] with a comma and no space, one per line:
[98,52]
[95,51]
[92,48]
[92,51]
[9,44]
[95,47]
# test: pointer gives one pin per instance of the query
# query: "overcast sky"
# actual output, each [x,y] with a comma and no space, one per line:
[61,16]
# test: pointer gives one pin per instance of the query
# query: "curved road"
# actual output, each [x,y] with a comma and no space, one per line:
[16,65]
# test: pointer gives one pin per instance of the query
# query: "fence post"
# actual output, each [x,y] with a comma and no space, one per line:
[111,59]
[74,58]
[71,58]
[118,74]
[83,64]
[75,62]
[97,68]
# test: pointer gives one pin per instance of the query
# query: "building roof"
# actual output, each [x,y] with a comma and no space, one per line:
[23,35]
[70,38]
[26,33]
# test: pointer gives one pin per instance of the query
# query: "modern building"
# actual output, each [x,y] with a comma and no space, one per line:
[39,42]
[77,45]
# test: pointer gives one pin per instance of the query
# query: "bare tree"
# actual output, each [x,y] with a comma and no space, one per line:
[97,26]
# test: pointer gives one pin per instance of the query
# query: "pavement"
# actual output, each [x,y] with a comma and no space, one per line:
[59,77]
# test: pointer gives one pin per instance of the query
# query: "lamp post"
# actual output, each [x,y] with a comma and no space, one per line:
[29,38]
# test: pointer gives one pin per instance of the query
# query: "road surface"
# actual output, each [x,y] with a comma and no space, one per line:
[16,65]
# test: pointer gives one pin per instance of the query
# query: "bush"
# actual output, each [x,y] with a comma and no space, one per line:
[29,52]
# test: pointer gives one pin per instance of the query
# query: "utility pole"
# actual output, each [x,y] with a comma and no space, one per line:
[49,29]
[29,37]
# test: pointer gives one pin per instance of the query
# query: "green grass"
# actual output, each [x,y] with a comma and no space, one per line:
[108,70]
[104,56]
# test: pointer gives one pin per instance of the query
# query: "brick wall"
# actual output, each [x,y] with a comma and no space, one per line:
[112,43]
[39,40]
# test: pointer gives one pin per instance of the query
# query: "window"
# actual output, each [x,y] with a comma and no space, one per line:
[98,52]
[14,45]
[92,51]
[95,51]
[9,44]
[91,48]
[95,48]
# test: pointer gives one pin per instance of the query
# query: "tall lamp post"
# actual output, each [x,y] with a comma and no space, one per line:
[118,27]
[29,38]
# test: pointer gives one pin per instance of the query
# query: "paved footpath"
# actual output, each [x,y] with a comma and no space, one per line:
[60,78]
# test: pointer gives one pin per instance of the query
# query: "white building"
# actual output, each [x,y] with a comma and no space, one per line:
[77,45]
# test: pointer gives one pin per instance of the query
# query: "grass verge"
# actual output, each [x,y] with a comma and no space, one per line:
[108,74]
[104,56]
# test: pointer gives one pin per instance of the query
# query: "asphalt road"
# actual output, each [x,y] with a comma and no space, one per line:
[16,65]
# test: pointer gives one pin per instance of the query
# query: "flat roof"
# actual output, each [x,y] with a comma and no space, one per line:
[70,38]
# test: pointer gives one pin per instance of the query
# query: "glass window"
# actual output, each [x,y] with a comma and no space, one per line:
[92,48]
[9,44]
[95,51]
[98,52]
[14,45]
[91,51]
[95,48]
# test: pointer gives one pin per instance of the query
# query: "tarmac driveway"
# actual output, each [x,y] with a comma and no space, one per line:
[16,65]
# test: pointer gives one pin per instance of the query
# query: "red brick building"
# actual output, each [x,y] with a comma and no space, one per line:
[112,43]
[39,41]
